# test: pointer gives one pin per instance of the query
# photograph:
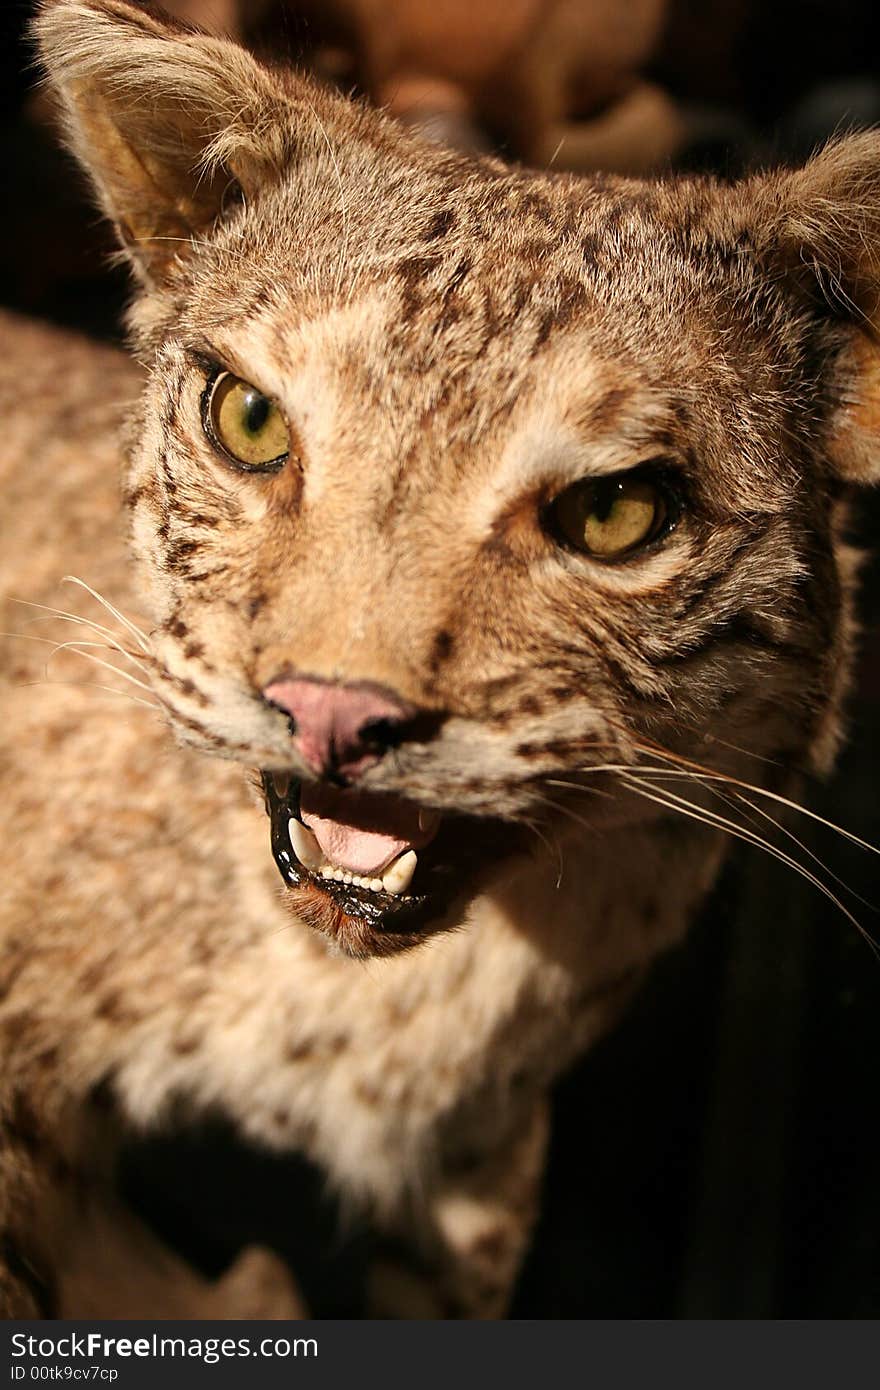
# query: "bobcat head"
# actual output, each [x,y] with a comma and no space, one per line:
[455,484]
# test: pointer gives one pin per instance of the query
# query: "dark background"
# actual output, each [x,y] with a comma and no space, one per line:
[716,1157]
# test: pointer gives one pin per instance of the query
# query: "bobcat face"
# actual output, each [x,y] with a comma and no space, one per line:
[453,484]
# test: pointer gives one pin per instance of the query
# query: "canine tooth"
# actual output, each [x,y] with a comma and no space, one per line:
[398,876]
[305,846]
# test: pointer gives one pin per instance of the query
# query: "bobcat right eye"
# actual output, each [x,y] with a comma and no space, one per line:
[613,517]
[246,425]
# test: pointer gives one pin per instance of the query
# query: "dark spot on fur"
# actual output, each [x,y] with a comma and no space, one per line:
[530,704]
[529,750]
[444,643]
[442,223]
[111,1007]
[178,552]
[199,576]
[413,272]
[605,411]
[458,276]
[256,604]
[131,496]
[591,245]
[48,1058]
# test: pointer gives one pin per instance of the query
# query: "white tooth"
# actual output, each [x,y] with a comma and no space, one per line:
[305,846]
[346,878]
[376,884]
[398,876]
[326,871]
[337,874]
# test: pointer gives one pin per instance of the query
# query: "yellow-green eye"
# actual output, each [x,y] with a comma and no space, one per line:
[609,518]
[246,424]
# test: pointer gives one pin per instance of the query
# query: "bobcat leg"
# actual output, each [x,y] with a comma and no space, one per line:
[478,1225]
[69,1248]
[114,1267]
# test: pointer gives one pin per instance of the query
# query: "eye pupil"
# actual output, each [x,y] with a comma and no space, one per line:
[244,424]
[256,411]
[605,497]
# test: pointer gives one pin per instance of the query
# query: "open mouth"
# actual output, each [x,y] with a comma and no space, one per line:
[374,872]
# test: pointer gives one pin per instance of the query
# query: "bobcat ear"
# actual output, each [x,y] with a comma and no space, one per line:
[819,226]
[168,122]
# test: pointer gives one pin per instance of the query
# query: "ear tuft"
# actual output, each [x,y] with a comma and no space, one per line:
[819,227]
[163,118]
[823,223]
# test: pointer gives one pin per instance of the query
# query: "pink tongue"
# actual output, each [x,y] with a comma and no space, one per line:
[364,834]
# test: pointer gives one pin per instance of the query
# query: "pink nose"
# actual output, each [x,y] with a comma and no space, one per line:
[339,728]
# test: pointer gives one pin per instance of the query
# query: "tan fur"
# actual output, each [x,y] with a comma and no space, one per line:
[453,342]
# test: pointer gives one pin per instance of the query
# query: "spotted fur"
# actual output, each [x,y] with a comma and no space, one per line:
[453,342]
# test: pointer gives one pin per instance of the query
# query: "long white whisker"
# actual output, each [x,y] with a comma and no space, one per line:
[99,661]
[140,637]
[92,685]
[690,809]
[735,800]
[63,616]
[77,646]
[733,782]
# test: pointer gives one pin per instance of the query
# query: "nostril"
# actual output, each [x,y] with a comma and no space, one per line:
[382,733]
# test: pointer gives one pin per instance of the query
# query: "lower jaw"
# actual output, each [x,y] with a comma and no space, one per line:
[364,923]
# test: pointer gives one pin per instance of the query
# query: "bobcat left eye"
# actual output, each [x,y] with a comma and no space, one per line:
[245,424]
[613,517]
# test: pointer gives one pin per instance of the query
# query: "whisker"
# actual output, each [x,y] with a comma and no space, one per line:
[714,776]
[99,661]
[735,801]
[692,811]
[140,637]
[746,752]
[75,646]
[704,777]
[60,614]
[789,834]
[92,685]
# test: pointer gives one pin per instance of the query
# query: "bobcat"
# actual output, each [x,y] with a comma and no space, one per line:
[487,522]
